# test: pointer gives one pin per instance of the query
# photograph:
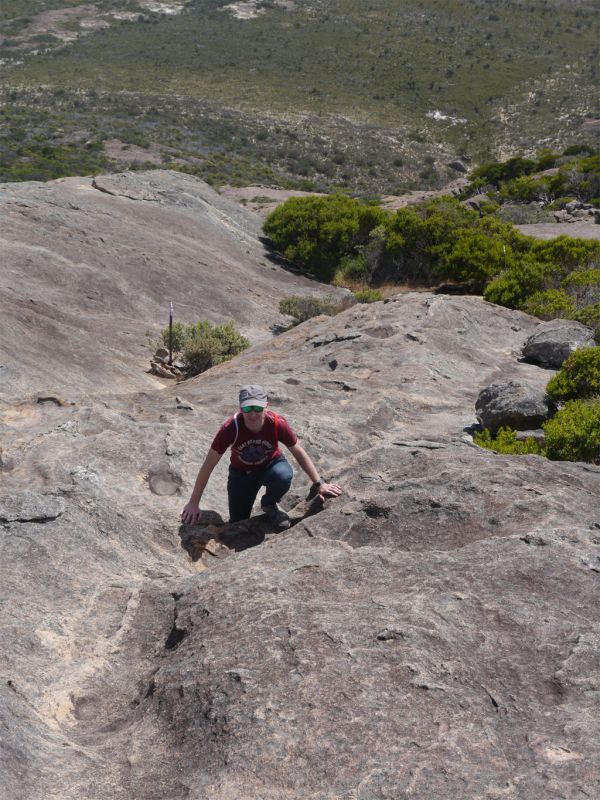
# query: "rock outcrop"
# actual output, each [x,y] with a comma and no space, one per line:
[431,634]
[90,264]
[512,405]
[555,340]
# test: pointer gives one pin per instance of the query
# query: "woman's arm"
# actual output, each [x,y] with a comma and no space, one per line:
[305,463]
[191,511]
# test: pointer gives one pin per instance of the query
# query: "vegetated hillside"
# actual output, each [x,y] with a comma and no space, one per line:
[439,79]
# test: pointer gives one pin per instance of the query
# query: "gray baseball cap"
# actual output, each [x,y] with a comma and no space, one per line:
[253,395]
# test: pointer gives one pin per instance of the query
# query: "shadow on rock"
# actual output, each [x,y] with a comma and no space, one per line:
[212,538]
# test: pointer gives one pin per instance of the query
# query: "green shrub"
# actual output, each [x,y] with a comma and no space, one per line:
[351,268]
[475,257]
[202,344]
[578,176]
[178,337]
[526,189]
[505,442]
[524,214]
[579,149]
[559,203]
[578,378]
[574,433]
[551,304]
[315,233]
[498,172]
[368,295]
[564,264]
[303,308]
[590,316]
[584,286]
[566,254]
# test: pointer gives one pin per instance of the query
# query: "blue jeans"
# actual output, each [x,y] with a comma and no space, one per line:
[242,487]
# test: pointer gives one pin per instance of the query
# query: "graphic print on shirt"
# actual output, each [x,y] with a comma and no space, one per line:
[255,451]
[252,451]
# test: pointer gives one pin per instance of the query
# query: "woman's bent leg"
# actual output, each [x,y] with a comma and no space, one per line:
[242,489]
[277,478]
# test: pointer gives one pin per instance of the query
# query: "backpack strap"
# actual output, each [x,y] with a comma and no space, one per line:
[237,428]
[275,425]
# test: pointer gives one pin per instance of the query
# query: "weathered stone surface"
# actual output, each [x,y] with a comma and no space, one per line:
[555,340]
[538,435]
[90,265]
[30,507]
[512,405]
[476,201]
[431,634]
[550,230]
[458,166]
[163,479]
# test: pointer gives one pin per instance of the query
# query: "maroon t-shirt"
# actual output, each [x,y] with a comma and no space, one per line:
[252,451]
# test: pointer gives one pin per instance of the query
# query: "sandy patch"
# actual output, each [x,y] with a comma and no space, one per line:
[265,199]
[550,230]
[124,153]
[249,9]
[172,8]
[261,199]
[56,22]
[244,10]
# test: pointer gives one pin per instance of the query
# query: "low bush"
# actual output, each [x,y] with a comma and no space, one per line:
[524,214]
[578,378]
[577,177]
[368,295]
[590,316]
[525,189]
[506,442]
[551,304]
[203,345]
[584,286]
[574,433]
[303,308]
[351,268]
[316,233]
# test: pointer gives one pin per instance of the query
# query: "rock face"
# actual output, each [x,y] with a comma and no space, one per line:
[512,405]
[555,340]
[431,634]
[90,264]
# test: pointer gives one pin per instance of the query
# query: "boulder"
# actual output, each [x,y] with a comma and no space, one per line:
[538,435]
[512,405]
[458,166]
[555,340]
[476,201]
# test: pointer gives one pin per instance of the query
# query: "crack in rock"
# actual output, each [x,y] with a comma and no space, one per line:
[30,507]
[320,341]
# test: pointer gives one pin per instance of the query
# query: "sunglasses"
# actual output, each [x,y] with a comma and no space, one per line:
[247,409]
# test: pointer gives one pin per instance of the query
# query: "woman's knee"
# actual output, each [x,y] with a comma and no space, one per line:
[280,474]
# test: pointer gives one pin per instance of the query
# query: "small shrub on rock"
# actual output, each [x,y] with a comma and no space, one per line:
[584,286]
[368,295]
[590,316]
[303,308]
[578,378]
[506,442]
[202,344]
[574,433]
[550,304]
